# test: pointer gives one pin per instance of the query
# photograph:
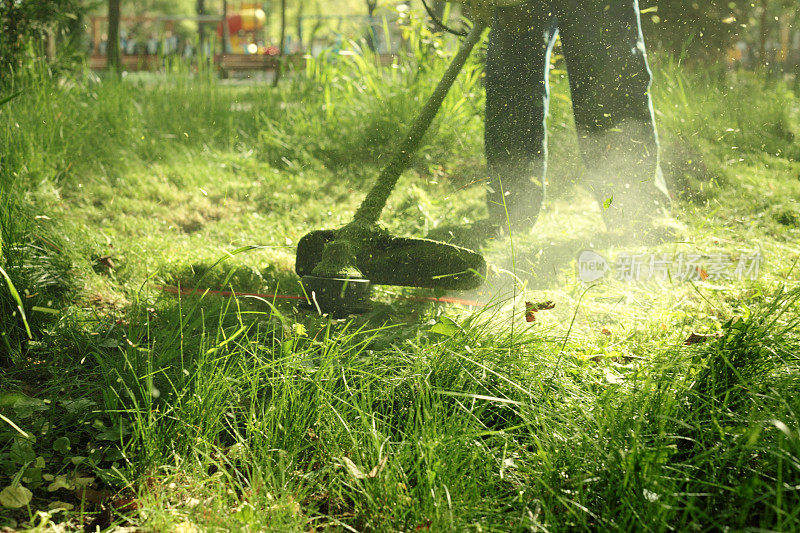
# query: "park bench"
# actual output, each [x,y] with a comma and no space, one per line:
[228,63]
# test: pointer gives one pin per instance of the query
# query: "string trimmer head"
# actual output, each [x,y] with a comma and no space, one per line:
[385,260]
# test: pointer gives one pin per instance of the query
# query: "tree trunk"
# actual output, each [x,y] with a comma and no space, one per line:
[283,26]
[226,31]
[10,35]
[281,45]
[403,40]
[764,33]
[112,47]
[372,38]
[315,29]
[201,27]
[50,34]
[300,10]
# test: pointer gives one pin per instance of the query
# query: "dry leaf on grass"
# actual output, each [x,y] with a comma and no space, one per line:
[357,473]
[95,497]
[697,338]
[531,308]
[378,468]
[60,505]
[105,262]
[60,482]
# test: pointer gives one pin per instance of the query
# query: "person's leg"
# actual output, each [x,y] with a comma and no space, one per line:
[610,83]
[516,108]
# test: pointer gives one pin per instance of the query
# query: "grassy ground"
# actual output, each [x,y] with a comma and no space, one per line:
[131,406]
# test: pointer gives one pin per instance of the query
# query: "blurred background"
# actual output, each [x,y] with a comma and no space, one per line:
[760,34]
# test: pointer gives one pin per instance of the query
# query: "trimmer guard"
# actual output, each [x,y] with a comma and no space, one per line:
[390,260]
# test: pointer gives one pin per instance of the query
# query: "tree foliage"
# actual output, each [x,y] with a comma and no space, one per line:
[709,27]
[25,26]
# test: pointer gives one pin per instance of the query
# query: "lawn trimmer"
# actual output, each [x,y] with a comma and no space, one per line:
[338,266]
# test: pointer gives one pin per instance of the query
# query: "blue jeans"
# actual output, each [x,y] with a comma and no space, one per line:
[609,81]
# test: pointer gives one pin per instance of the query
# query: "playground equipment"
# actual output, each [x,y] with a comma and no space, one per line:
[245,28]
[141,58]
[246,31]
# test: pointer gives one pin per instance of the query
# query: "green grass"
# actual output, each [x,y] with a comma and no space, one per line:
[248,414]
